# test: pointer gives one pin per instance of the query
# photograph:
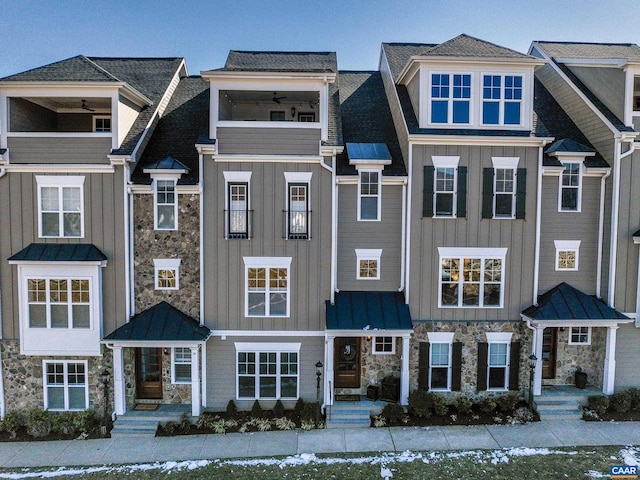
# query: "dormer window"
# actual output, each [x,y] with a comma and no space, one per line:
[501,99]
[450,98]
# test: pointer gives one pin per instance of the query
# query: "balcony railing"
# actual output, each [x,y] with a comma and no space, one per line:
[297,224]
[238,224]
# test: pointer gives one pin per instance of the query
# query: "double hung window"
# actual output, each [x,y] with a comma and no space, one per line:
[570,187]
[181,363]
[267,286]
[369,195]
[450,98]
[501,99]
[65,385]
[498,368]
[60,206]
[166,205]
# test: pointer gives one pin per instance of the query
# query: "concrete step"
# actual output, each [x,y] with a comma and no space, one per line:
[347,425]
[558,405]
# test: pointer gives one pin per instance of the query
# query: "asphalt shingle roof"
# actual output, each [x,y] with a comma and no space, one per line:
[74,69]
[624,51]
[185,119]
[398,54]
[366,118]
[252,61]
[162,322]
[565,302]
[59,252]
[368,311]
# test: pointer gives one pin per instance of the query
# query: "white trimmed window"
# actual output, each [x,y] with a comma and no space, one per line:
[59,302]
[368,264]
[570,195]
[499,353]
[165,204]
[60,206]
[101,123]
[181,365]
[450,98]
[267,371]
[166,273]
[580,336]
[471,277]
[298,211]
[502,99]
[440,360]
[445,181]
[267,286]
[369,193]
[384,345]
[567,254]
[237,222]
[504,186]
[65,385]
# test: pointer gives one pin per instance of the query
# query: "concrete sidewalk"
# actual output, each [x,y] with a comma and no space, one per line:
[557,433]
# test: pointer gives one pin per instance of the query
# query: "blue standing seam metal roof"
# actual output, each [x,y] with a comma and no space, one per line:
[159,323]
[564,302]
[368,311]
[167,163]
[368,151]
[59,252]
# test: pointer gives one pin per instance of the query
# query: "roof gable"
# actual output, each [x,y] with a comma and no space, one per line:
[468,46]
[74,69]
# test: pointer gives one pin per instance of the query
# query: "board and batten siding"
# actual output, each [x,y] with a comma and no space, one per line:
[581,226]
[427,234]
[60,149]
[103,227]
[221,370]
[268,141]
[224,269]
[627,357]
[385,234]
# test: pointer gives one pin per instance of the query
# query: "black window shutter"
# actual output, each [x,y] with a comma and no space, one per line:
[514,366]
[427,192]
[483,357]
[462,192]
[423,366]
[521,191]
[487,193]
[456,367]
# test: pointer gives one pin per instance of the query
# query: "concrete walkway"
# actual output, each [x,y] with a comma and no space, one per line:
[557,433]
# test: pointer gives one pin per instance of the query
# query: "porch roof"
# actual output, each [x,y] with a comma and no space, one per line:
[368,311]
[59,252]
[566,303]
[160,323]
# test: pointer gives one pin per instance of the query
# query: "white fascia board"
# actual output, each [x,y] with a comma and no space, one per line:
[207,148]
[330,150]
[213,75]
[268,333]
[230,158]
[592,62]
[99,263]
[386,180]
[421,139]
[180,189]
[372,332]
[58,168]
[572,155]
[575,323]
[152,343]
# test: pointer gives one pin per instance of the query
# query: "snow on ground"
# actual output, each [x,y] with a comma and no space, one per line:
[629,455]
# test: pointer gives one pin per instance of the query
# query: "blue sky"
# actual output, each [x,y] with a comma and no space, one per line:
[34,33]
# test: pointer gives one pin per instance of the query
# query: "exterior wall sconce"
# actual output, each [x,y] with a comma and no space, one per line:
[293,111]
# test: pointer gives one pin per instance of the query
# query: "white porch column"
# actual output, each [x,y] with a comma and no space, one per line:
[328,375]
[195,382]
[119,402]
[404,372]
[610,361]
[537,351]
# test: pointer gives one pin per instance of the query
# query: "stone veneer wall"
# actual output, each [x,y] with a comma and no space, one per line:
[184,243]
[590,358]
[375,367]
[470,334]
[24,382]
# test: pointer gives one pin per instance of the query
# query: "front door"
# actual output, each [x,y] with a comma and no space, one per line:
[549,348]
[149,373]
[347,362]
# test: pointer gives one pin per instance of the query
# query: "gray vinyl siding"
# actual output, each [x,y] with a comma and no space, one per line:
[608,84]
[413,88]
[221,370]
[26,116]
[427,234]
[385,234]
[224,269]
[59,150]
[268,141]
[103,224]
[627,357]
[581,226]
[394,106]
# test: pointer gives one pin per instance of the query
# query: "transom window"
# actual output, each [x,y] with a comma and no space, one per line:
[570,187]
[268,374]
[181,371]
[368,267]
[567,254]
[450,98]
[474,280]
[369,195]
[59,303]
[267,293]
[60,206]
[498,367]
[166,205]
[501,99]
[384,345]
[580,336]
[65,386]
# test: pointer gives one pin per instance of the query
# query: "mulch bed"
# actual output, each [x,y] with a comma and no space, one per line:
[612,416]
[23,436]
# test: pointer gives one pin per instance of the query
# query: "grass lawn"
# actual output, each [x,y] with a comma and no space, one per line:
[521,463]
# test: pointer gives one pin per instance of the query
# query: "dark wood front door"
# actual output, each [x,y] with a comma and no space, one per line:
[549,348]
[149,373]
[347,362]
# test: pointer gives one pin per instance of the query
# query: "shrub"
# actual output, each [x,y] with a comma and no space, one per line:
[438,404]
[84,421]
[299,406]
[256,410]
[278,409]
[463,404]
[487,405]
[185,422]
[232,409]
[38,423]
[598,404]
[620,402]
[379,421]
[508,402]
[204,422]
[309,412]
[283,423]
[419,403]
[393,412]
[634,394]
[62,423]
[12,422]
[263,424]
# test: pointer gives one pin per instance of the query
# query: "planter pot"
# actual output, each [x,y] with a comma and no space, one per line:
[372,392]
[390,390]
[581,380]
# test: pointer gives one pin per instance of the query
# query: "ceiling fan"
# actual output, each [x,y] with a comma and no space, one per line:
[85,107]
[276,98]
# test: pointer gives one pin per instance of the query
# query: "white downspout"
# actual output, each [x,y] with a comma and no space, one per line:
[601,235]
[201,246]
[334,224]
[536,255]
[129,305]
[403,235]
[408,226]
